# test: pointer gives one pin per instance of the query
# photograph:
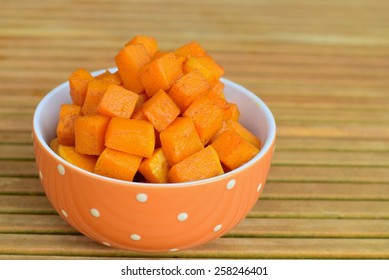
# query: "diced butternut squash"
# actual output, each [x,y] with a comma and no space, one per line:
[129,61]
[160,110]
[110,78]
[181,60]
[117,102]
[69,154]
[159,54]
[131,136]
[94,94]
[156,168]
[201,165]
[90,134]
[206,116]
[150,43]
[142,98]
[117,165]
[161,117]
[180,140]
[188,88]
[206,65]
[78,84]
[239,129]
[230,110]
[101,76]
[65,128]
[217,89]
[54,145]
[190,49]
[233,150]
[160,73]
[139,115]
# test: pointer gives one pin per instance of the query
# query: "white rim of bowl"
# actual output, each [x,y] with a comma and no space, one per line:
[271,135]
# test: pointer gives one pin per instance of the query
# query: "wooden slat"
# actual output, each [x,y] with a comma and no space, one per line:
[44,258]
[12,168]
[290,173]
[34,224]
[16,123]
[330,174]
[264,208]
[11,204]
[331,144]
[19,152]
[331,158]
[312,228]
[335,131]
[251,227]
[19,185]
[320,209]
[325,191]
[76,245]
[13,137]
[272,190]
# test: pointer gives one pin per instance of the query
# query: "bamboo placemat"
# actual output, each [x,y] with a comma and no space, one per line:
[321,66]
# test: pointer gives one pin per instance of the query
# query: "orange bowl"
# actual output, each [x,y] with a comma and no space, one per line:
[150,217]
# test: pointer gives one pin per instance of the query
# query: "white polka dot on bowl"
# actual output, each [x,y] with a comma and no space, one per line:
[182,216]
[135,237]
[141,197]
[95,213]
[64,213]
[259,187]
[231,183]
[61,169]
[217,228]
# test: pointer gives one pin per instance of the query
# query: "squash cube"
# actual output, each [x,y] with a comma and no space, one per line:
[206,116]
[180,140]
[90,134]
[230,110]
[136,137]
[190,49]
[54,145]
[110,78]
[78,84]
[65,128]
[150,43]
[239,129]
[160,73]
[160,110]
[188,88]
[155,169]
[206,65]
[129,61]
[69,154]
[233,150]
[117,102]
[117,165]
[94,94]
[201,165]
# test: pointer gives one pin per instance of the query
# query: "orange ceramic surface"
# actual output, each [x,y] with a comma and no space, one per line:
[153,217]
